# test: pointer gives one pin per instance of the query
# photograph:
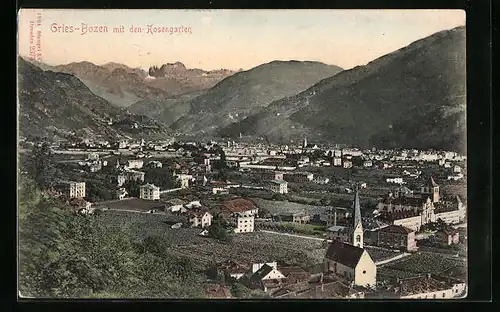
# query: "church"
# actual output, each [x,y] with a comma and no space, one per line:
[347,258]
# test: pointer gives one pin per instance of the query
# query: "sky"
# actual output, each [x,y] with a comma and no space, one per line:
[231,39]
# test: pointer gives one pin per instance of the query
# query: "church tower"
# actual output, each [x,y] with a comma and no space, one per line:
[432,190]
[357,234]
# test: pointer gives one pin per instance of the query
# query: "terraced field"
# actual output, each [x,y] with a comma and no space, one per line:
[433,263]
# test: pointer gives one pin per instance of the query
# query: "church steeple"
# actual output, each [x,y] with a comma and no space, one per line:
[357,236]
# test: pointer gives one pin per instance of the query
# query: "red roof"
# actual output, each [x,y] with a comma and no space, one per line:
[238,205]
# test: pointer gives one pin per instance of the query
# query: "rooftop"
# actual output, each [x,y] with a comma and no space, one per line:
[238,205]
[343,253]
[397,229]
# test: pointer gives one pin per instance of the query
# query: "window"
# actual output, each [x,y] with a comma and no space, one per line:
[444,295]
[364,271]
[434,296]
[358,238]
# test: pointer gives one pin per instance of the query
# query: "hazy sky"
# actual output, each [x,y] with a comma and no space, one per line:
[230,39]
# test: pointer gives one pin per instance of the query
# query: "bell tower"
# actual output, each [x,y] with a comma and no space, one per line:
[357,233]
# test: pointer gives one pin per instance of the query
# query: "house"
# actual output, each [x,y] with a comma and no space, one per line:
[347,164]
[220,190]
[457,169]
[135,164]
[240,213]
[351,263]
[199,218]
[233,269]
[321,180]
[367,163]
[174,205]
[71,189]
[184,179]
[149,191]
[430,287]
[447,236]
[265,276]
[396,180]
[397,237]
[131,175]
[278,186]
[337,161]
[300,218]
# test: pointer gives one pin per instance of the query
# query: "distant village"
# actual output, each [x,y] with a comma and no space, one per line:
[389,223]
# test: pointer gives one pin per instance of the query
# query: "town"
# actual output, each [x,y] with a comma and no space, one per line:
[304,220]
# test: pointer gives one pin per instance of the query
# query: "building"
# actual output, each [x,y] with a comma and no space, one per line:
[215,291]
[430,287]
[351,263]
[184,179]
[298,177]
[367,163]
[149,191]
[396,180]
[278,186]
[457,169]
[431,190]
[135,164]
[240,213]
[321,180]
[300,218]
[347,164]
[72,189]
[199,218]
[395,236]
[448,236]
[337,161]
[121,193]
[174,205]
[233,269]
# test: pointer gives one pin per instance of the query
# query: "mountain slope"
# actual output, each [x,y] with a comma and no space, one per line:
[413,97]
[58,103]
[166,110]
[247,92]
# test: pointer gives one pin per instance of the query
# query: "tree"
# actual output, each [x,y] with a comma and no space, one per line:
[132,187]
[218,230]
[40,165]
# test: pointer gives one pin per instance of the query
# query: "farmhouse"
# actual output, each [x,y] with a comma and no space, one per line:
[300,218]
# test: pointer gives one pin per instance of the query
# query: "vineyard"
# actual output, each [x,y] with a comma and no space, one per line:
[384,273]
[426,263]
[247,247]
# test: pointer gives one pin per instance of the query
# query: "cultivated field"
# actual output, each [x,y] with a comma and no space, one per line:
[379,254]
[433,263]
[279,207]
[247,247]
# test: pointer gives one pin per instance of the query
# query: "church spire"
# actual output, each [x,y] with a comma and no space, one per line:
[357,209]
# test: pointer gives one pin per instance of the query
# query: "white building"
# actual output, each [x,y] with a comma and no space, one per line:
[184,179]
[241,213]
[396,180]
[347,164]
[150,192]
[337,161]
[200,218]
[135,164]
[278,186]
[72,189]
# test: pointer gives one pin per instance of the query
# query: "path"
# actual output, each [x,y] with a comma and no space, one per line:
[295,235]
[400,256]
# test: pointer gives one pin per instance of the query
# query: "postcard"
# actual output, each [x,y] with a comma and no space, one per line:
[242,154]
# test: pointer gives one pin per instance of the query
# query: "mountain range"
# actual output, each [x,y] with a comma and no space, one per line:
[123,86]
[59,104]
[246,93]
[413,97]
